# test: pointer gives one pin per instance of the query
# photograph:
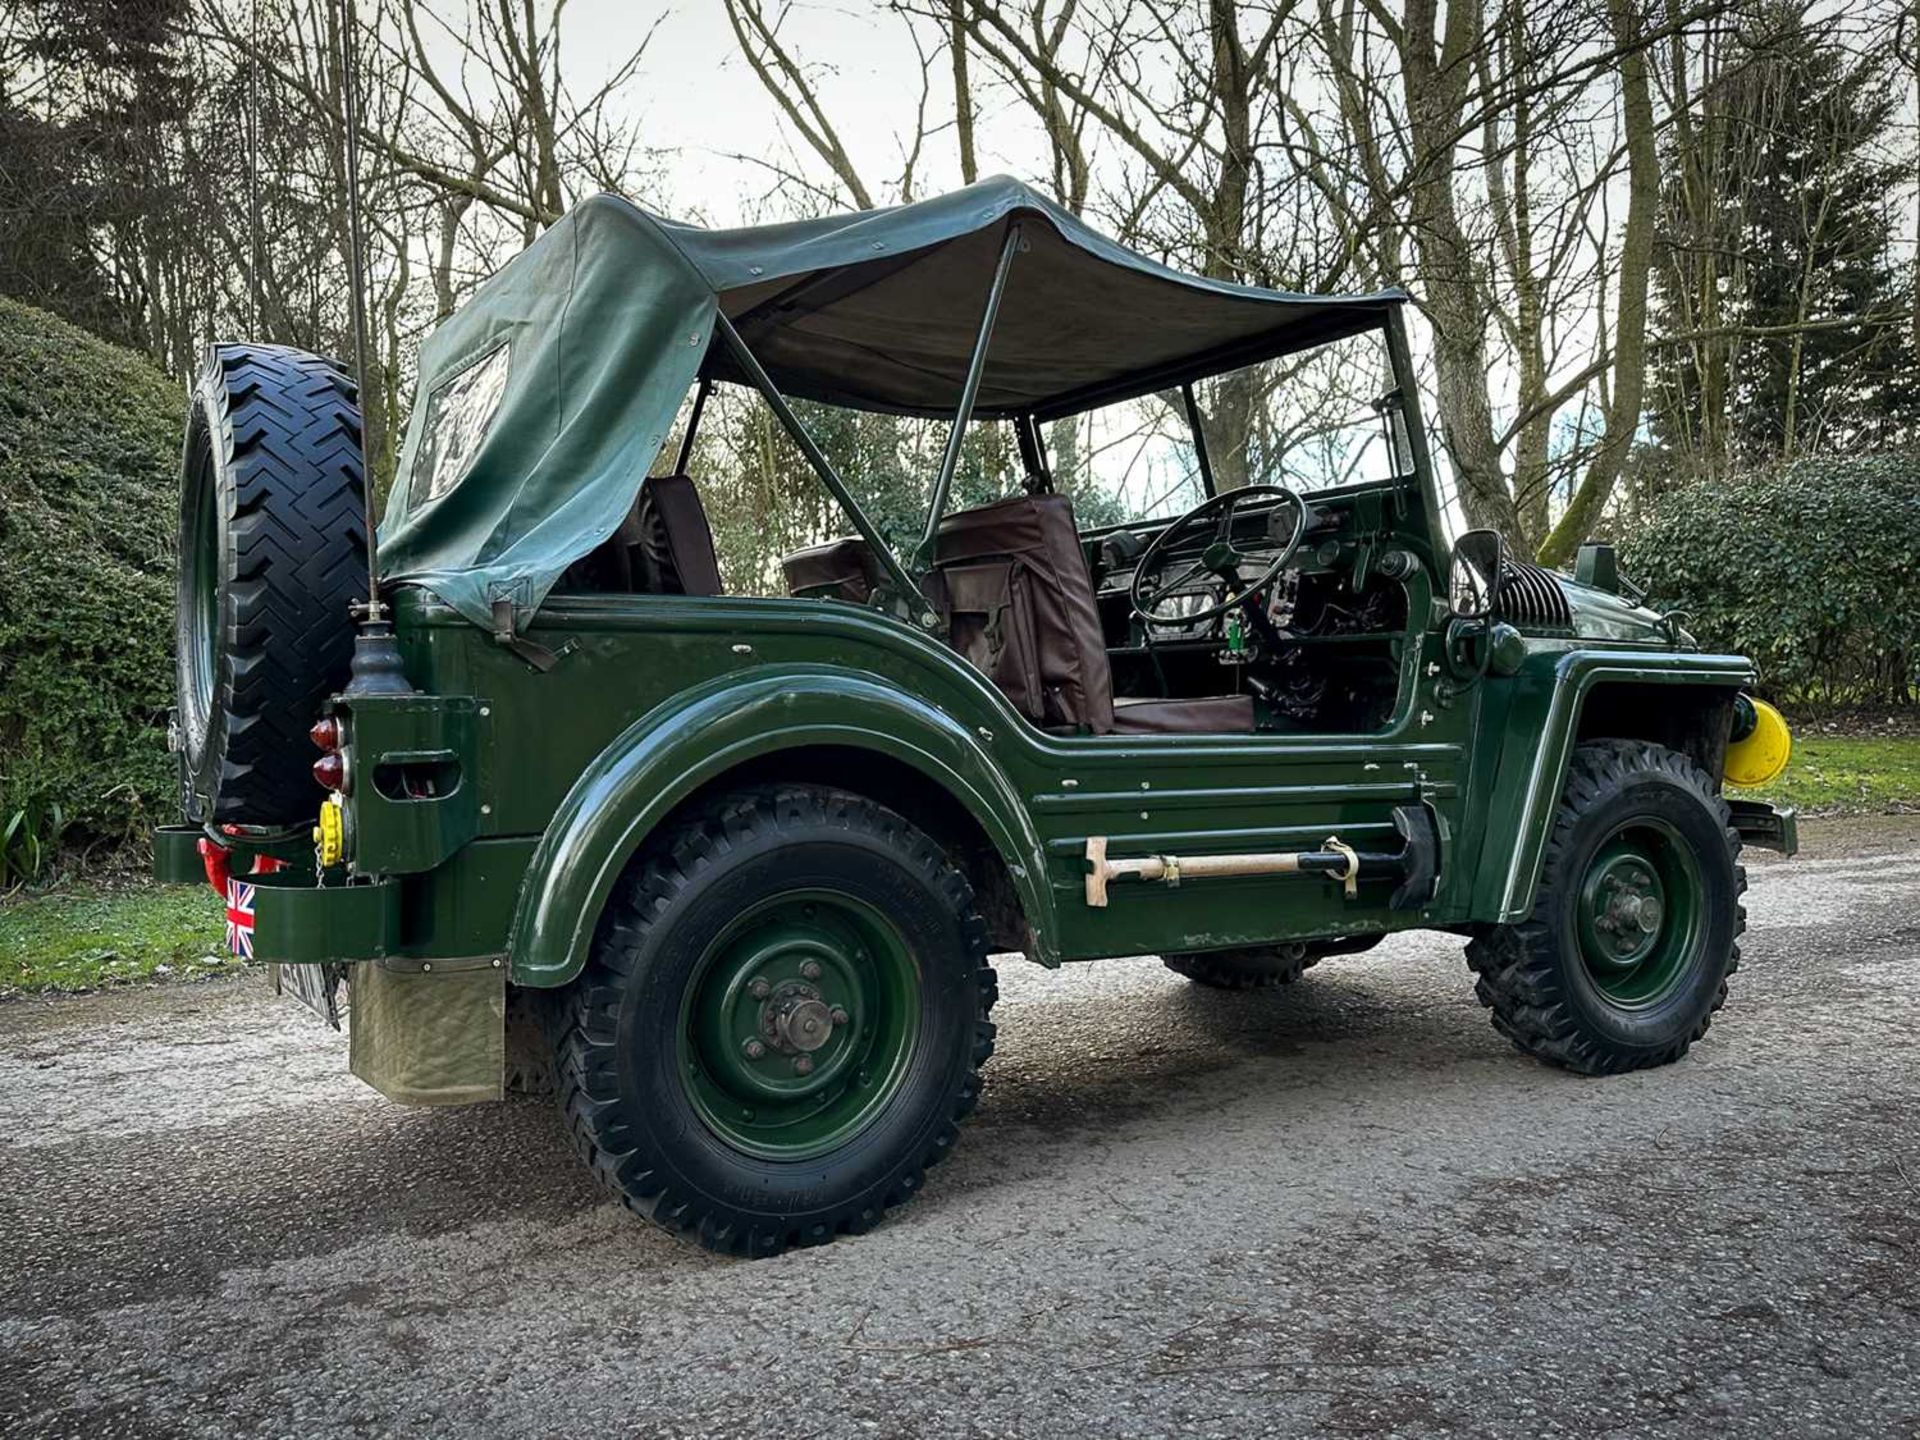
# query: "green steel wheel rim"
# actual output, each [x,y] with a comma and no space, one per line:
[1639,915]
[799,1024]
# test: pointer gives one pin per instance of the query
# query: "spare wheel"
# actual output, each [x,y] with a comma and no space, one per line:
[272,554]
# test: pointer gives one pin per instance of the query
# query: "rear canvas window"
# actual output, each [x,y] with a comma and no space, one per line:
[460,412]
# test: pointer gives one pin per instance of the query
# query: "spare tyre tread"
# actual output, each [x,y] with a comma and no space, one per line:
[287,431]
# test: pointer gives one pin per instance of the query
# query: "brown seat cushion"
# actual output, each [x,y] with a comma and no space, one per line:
[1205,715]
[838,570]
[663,547]
[1012,580]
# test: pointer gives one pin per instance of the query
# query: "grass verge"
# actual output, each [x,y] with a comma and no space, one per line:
[1847,775]
[88,937]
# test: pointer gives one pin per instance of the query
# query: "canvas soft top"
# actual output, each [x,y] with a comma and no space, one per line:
[543,402]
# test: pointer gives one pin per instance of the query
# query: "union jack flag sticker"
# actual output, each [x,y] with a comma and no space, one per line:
[240,918]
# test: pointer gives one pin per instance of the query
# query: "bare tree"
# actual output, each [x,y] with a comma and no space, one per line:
[1521,169]
[962,92]
[1632,269]
[784,79]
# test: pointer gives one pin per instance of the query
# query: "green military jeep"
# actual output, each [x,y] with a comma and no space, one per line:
[725,870]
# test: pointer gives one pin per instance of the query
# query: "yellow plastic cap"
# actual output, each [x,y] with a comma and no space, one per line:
[1763,754]
[330,835]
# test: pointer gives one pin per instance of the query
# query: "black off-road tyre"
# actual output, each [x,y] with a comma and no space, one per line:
[1257,967]
[273,550]
[1261,967]
[1553,1003]
[667,957]
[532,1023]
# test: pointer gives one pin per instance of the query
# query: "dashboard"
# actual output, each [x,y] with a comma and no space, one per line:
[1318,649]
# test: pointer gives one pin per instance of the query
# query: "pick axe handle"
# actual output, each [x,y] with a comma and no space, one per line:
[1172,869]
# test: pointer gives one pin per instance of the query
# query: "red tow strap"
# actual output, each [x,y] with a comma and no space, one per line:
[219,864]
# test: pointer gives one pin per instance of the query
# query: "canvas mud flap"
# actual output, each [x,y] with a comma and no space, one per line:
[430,1032]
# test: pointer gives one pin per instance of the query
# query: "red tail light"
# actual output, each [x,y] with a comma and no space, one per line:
[326,733]
[331,771]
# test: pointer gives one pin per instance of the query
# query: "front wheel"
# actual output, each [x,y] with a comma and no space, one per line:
[1634,929]
[782,1024]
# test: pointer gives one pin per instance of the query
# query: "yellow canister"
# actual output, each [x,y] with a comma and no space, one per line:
[1763,753]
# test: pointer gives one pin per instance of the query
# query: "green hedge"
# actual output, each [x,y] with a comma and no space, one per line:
[1812,568]
[89,451]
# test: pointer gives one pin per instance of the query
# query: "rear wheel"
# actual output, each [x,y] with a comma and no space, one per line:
[782,1024]
[1625,957]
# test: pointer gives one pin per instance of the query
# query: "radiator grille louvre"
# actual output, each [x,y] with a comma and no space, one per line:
[1530,595]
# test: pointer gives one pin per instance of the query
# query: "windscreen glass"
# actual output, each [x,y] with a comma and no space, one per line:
[1312,421]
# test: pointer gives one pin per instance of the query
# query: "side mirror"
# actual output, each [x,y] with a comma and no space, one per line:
[1473,583]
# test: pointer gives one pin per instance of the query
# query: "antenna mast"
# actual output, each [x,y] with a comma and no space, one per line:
[356,273]
[377,667]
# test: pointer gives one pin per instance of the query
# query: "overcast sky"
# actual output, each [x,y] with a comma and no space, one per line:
[697,99]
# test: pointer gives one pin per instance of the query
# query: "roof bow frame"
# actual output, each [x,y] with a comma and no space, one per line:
[609,319]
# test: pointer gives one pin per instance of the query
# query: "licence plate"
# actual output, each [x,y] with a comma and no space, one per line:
[315,986]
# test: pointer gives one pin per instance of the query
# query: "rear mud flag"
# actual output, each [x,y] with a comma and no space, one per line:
[240,918]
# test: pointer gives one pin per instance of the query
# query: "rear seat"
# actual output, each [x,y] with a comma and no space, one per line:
[838,570]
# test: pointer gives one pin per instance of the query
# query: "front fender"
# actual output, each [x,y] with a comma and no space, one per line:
[699,736]
[1535,745]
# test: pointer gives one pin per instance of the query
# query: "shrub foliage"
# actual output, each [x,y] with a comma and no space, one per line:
[89,451]
[1812,568]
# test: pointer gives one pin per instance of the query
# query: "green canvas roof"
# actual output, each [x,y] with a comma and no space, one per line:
[543,402]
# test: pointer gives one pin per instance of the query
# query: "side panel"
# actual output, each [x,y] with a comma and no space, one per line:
[654,696]
[672,751]
[397,833]
[1531,721]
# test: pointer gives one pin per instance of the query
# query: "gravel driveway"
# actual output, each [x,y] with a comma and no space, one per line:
[1344,1207]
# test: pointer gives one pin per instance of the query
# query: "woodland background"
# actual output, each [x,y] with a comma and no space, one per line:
[1664,254]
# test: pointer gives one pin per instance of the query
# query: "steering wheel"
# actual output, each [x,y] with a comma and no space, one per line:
[1221,559]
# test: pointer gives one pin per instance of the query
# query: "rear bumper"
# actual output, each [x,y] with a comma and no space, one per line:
[296,922]
[1771,827]
[424,1032]
[176,855]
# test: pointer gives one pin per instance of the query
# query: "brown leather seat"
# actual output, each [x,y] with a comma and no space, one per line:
[664,546]
[1202,715]
[838,570]
[1012,581]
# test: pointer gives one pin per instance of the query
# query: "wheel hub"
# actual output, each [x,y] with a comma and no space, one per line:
[797,1020]
[1635,929]
[798,1024]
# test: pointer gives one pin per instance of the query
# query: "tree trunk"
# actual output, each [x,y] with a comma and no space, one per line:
[1634,265]
[1231,417]
[962,93]
[1435,86]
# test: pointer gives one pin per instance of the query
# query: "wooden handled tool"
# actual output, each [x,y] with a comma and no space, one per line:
[1335,859]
